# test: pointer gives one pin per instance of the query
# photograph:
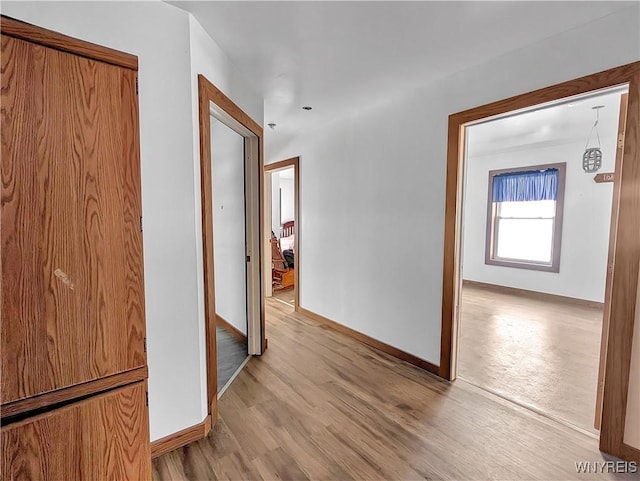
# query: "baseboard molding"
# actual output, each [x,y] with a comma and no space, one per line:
[181,438]
[381,346]
[630,453]
[207,425]
[533,294]
[234,331]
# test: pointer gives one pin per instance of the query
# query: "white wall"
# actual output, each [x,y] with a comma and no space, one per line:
[171,48]
[282,200]
[229,249]
[287,207]
[385,211]
[585,228]
[275,203]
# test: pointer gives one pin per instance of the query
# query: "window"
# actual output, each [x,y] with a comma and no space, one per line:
[524,221]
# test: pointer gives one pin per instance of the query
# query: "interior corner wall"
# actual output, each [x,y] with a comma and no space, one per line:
[372,189]
[585,227]
[171,48]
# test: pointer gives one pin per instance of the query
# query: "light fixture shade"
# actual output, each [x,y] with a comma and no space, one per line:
[592,160]
[592,157]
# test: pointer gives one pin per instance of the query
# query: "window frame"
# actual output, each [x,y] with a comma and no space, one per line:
[492,210]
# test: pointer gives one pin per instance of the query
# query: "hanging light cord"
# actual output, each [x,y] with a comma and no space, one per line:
[595,126]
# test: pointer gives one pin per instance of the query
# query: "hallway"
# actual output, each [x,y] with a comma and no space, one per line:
[319,405]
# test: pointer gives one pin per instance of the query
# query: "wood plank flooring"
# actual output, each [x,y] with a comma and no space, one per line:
[539,352]
[319,405]
[286,295]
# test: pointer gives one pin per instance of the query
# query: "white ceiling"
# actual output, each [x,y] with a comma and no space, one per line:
[555,124]
[341,56]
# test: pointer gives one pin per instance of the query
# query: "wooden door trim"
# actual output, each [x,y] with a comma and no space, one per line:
[207,94]
[627,250]
[49,38]
[283,164]
[622,117]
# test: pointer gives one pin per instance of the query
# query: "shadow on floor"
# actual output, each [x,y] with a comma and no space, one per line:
[231,353]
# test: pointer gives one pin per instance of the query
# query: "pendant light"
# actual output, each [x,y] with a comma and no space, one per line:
[592,157]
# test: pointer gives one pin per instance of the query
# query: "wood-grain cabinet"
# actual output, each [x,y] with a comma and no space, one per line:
[103,437]
[73,327]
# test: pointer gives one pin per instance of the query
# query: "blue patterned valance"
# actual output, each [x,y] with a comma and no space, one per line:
[525,186]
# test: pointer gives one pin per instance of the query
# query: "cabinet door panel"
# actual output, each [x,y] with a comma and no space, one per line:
[105,437]
[71,246]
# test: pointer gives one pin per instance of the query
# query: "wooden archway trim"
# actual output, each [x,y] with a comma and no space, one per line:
[207,94]
[627,248]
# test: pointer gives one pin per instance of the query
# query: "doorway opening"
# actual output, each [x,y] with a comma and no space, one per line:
[228,176]
[535,250]
[282,231]
[617,385]
[231,178]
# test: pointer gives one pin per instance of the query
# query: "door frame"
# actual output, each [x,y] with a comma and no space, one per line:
[266,231]
[604,335]
[212,102]
[624,278]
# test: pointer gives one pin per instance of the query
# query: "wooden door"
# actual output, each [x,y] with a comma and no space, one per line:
[71,248]
[104,437]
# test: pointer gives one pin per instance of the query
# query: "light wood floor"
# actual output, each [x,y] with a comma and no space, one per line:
[286,295]
[319,405]
[534,351]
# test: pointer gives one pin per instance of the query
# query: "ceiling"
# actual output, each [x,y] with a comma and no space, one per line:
[554,124]
[340,56]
